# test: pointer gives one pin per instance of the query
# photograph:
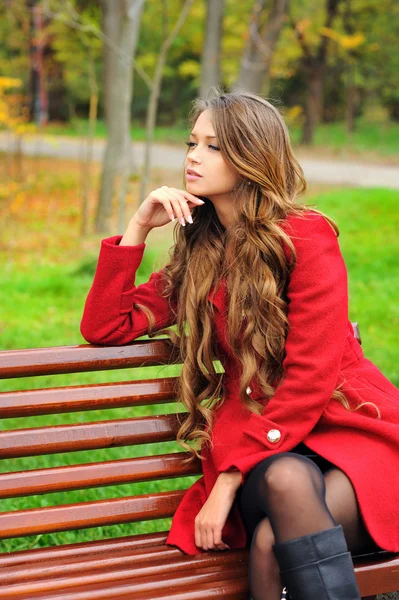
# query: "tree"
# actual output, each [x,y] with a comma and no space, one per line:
[264,30]
[382,59]
[313,63]
[76,49]
[211,53]
[156,87]
[121,22]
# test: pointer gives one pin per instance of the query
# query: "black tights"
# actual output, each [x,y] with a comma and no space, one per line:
[287,496]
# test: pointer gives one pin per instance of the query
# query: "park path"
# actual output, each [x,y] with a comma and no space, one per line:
[330,171]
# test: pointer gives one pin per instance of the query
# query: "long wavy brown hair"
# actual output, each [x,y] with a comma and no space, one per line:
[254,139]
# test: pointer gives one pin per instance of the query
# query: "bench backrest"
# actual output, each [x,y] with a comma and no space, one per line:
[88,436]
[96,435]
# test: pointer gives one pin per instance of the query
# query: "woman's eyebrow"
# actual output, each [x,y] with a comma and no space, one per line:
[207,136]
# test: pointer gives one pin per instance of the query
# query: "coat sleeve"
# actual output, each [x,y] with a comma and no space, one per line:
[318,322]
[110,315]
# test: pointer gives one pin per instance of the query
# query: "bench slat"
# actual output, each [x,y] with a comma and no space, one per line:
[112,553]
[373,577]
[85,357]
[87,397]
[231,589]
[89,514]
[149,584]
[22,558]
[146,559]
[156,560]
[98,474]
[96,581]
[86,436]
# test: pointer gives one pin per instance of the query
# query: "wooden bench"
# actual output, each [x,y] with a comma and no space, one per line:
[136,566]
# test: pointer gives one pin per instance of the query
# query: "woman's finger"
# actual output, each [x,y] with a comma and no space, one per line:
[205,542]
[219,543]
[169,208]
[191,197]
[209,538]
[177,209]
[183,205]
[161,198]
[197,535]
[202,536]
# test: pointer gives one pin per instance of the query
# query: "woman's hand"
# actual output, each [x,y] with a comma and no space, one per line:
[211,518]
[163,205]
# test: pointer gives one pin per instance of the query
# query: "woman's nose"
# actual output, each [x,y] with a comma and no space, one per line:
[195,156]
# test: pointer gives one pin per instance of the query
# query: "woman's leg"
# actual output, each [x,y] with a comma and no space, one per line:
[263,571]
[342,504]
[285,498]
[280,500]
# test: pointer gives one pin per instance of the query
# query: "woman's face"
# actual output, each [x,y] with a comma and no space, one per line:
[217,178]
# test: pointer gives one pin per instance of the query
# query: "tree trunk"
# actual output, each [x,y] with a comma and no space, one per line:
[111,28]
[38,75]
[258,53]
[393,109]
[352,98]
[210,62]
[87,163]
[352,92]
[154,96]
[314,66]
[314,101]
[122,16]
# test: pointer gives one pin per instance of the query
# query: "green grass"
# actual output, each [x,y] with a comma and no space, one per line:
[377,136]
[380,138]
[42,306]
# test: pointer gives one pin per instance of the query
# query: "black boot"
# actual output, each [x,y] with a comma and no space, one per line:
[318,566]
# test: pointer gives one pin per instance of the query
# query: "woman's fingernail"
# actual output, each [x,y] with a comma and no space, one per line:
[189,219]
[182,221]
[172,216]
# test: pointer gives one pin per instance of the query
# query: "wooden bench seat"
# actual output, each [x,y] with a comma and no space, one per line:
[139,566]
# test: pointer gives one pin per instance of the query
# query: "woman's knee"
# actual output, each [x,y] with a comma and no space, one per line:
[288,472]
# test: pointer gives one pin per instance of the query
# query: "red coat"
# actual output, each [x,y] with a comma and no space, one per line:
[321,353]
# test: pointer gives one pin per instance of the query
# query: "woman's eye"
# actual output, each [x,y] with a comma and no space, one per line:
[191,144]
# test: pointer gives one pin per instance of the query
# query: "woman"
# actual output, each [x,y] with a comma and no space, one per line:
[293,436]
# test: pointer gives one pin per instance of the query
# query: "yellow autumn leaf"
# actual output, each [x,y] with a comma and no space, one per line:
[302,24]
[4,191]
[13,186]
[331,33]
[352,41]
[293,115]
[17,202]
[345,41]
[189,68]
[9,82]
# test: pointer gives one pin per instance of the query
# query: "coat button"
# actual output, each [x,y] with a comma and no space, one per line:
[273,435]
[248,390]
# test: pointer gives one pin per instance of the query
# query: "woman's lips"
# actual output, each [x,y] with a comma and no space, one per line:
[192,177]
